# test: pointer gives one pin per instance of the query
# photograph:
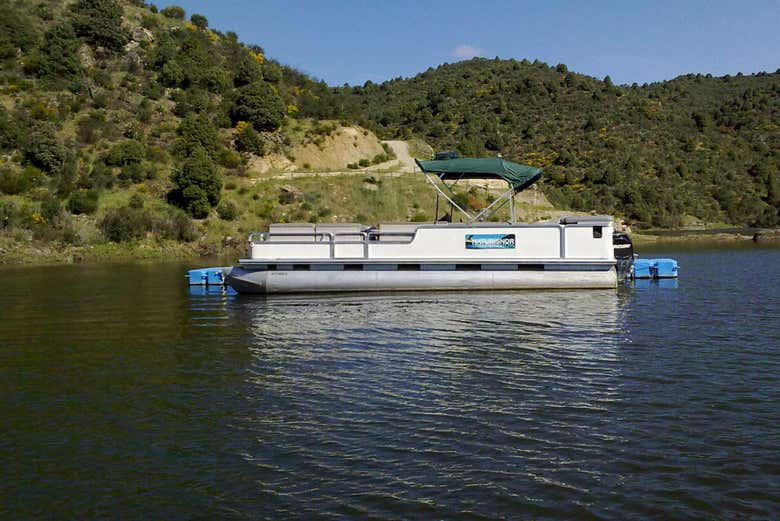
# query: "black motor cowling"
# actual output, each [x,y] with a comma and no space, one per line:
[624,253]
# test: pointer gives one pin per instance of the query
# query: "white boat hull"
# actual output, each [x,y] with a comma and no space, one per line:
[290,281]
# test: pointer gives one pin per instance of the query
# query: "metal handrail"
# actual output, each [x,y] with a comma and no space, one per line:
[331,239]
[366,238]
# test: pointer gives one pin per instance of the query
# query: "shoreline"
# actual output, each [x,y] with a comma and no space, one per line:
[42,254]
[36,253]
[730,235]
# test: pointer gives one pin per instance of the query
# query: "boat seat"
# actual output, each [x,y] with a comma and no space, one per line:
[397,228]
[340,228]
[278,230]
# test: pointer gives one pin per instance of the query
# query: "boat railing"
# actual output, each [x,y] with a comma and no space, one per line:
[371,236]
[332,238]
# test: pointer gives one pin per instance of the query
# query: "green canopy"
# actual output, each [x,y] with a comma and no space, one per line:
[518,176]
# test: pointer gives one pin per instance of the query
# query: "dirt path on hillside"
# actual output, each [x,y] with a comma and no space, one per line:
[402,164]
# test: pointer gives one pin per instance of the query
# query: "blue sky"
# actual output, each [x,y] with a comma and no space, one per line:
[350,41]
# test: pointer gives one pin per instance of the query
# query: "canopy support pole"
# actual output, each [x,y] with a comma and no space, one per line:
[509,194]
[453,203]
[512,206]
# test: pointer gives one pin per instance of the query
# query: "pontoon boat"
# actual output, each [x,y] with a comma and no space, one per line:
[574,252]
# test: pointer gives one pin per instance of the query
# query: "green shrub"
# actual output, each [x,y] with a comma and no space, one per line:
[128,152]
[213,79]
[172,74]
[136,201]
[124,224]
[91,127]
[227,211]
[50,207]
[17,29]
[8,214]
[248,140]
[127,224]
[197,132]
[83,202]
[9,130]
[248,72]
[181,227]
[192,100]
[196,185]
[103,79]
[173,11]
[229,158]
[136,173]
[196,202]
[13,182]
[199,20]
[364,163]
[56,57]
[101,176]
[42,149]
[260,105]
[99,22]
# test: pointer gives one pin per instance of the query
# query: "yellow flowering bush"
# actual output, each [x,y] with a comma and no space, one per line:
[241,127]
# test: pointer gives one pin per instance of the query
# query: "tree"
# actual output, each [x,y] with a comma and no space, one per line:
[16,31]
[99,22]
[199,21]
[249,71]
[196,184]
[126,153]
[173,11]
[260,105]
[56,58]
[248,140]
[42,148]
[196,131]
[83,202]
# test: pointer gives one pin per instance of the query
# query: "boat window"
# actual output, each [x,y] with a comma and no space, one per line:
[597,232]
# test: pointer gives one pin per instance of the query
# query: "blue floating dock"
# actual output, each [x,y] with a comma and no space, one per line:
[654,269]
[207,277]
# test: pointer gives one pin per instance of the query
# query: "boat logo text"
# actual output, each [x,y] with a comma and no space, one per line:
[492,241]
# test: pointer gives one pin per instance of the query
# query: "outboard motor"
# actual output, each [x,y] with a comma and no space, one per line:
[624,253]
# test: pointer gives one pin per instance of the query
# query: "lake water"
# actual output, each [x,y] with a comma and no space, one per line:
[125,396]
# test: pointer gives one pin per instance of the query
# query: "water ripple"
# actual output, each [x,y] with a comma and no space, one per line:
[130,397]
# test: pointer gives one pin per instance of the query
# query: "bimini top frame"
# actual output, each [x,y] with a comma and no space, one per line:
[518,177]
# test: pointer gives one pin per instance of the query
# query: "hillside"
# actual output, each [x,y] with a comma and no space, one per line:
[122,123]
[693,149]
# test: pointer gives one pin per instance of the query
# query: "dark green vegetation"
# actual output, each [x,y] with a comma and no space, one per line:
[119,122]
[694,148]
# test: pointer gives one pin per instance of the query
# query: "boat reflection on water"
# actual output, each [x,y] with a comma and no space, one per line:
[388,342]
[573,321]
[361,392]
